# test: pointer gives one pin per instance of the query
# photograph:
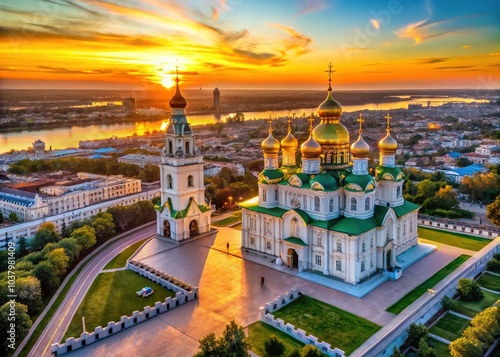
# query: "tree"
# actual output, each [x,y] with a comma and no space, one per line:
[424,350]
[481,186]
[273,347]
[59,261]
[85,236]
[397,353]
[48,278]
[71,248]
[469,290]
[447,198]
[233,342]
[448,303]
[13,217]
[29,293]
[463,161]
[311,351]
[493,211]
[295,353]
[104,228]
[21,327]
[46,233]
[23,250]
[463,347]
[417,332]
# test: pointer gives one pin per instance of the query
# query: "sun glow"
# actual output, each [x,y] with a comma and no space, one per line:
[164,125]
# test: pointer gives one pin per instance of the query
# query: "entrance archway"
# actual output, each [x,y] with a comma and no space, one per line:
[166,229]
[293,258]
[193,228]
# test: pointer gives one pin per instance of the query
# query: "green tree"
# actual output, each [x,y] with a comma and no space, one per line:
[295,353]
[463,161]
[209,347]
[46,233]
[23,249]
[311,351]
[13,217]
[47,276]
[273,347]
[22,324]
[417,332]
[463,347]
[59,261]
[424,350]
[469,290]
[446,198]
[448,303]
[233,342]
[493,211]
[85,236]
[104,228]
[397,353]
[29,293]
[71,248]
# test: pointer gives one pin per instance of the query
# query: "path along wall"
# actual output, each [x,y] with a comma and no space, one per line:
[182,295]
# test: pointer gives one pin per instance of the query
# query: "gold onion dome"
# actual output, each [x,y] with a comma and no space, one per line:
[388,145]
[177,101]
[289,141]
[310,148]
[270,145]
[330,107]
[360,148]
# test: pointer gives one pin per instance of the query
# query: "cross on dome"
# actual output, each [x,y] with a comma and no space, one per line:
[330,71]
[388,118]
[290,123]
[270,121]
[360,120]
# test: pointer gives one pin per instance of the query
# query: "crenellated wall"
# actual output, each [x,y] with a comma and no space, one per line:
[182,295]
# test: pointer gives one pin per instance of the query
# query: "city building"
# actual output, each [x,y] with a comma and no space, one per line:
[128,104]
[140,159]
[329,214]
[216,99]
[456,175]
[182,212]
[65,196]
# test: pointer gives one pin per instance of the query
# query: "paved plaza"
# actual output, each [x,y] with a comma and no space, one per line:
[229,283]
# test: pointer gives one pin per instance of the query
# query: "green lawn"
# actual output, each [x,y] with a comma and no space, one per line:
[489,281]
[259,332]
[236,217]
[121,259]
[471,308]
[442,349]
[413,295]
[337,327]
[455,239]
[111,296]
[450,327]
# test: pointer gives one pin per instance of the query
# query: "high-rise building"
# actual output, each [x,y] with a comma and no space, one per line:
[182,212]
[216,99]
[328,213]
[128,104]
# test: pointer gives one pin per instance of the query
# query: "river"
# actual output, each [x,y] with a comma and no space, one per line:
[65,137]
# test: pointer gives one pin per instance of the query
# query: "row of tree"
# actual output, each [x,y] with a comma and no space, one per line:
[102,166]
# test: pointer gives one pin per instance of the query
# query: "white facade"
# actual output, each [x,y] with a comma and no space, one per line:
[183,212]
[327,215]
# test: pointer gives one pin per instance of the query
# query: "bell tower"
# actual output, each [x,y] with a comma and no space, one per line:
[183,212]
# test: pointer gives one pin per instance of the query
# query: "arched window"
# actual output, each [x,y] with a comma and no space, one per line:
[187,147]
[354,204]
[367,204]
[330,205]
[339,246]
[190,181]
[295,229]
[169,181]
[170,147]
[398,192]
[316,203]
[264,195]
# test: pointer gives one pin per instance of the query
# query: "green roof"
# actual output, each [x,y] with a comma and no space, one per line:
[324,224]
[354,226]
[271,176]
[276,211]
[379,213]
[394,172]
[407,207]
[304,215]
[295,240]
[327,182]
[365,182]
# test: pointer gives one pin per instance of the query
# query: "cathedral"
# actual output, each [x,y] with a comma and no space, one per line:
[182,212]
[328,214]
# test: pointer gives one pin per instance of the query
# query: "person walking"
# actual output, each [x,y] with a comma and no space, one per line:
[262,280]
[227,247]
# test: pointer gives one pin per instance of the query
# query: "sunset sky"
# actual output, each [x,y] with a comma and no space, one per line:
[240,44]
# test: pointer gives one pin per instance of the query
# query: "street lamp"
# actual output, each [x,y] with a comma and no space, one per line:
[230,202]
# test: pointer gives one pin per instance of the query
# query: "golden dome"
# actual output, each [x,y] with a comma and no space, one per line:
[310,148]
[270,145]
[360,148]
[388,145]
[331,133]
[330,107]
[289,141]
[177,101]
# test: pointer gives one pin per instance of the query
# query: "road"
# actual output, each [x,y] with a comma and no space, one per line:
[54,332]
